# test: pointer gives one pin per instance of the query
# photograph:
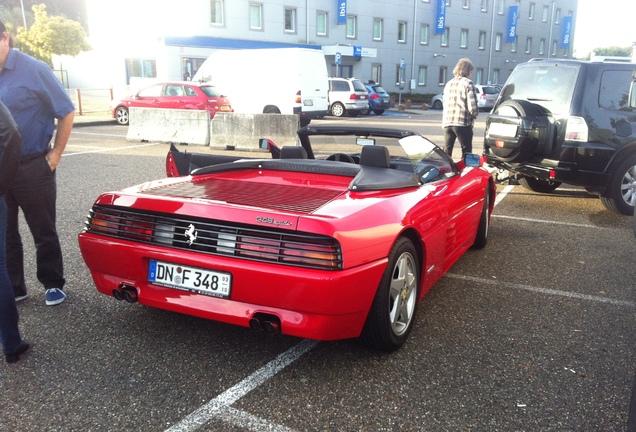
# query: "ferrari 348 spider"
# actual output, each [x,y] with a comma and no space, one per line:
[338,237]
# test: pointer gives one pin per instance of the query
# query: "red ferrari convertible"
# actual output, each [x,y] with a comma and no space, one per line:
[338,237]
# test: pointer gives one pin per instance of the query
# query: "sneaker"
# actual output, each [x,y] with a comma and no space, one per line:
[20,297]
[14,357]
[54,296]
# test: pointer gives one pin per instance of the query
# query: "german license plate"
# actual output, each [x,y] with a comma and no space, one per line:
[308,102]
[191,279]
[503,129]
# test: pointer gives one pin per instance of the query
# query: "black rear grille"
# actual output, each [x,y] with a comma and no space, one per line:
[216,237]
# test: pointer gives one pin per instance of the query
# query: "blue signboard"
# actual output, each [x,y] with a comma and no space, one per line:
[513,15]
[566,33]
[357,51]
[342,12]
[440,18]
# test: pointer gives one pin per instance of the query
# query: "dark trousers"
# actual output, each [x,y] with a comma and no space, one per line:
[9,333]
[465,136]
[34,191]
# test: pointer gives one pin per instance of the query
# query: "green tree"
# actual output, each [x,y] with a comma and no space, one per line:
[51,35]
[613,51]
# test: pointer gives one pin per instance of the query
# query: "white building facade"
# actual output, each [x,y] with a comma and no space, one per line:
[408,45]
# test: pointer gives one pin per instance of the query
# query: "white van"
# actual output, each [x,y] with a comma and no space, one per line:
[273,80]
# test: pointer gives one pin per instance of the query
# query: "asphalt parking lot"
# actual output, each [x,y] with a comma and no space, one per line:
[533,333]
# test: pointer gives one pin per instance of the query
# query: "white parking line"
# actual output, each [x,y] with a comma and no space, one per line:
[104,150]
[546,221]
[217,406]
[597,299]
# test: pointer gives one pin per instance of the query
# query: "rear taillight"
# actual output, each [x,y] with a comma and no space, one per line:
[576,129]
[299,99]
[483,96]
[354,96]
[374,96]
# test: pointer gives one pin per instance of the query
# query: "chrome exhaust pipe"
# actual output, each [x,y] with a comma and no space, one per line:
[118,294]
[271,327]
[128,293]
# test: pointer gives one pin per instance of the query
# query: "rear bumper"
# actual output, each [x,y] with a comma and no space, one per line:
[312,304]
[561,172]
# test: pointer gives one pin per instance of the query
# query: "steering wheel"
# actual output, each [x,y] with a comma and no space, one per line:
[340,157]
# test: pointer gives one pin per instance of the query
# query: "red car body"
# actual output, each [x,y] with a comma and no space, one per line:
[173,95]
[318,249]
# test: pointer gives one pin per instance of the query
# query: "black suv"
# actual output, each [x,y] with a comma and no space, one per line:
[568,121]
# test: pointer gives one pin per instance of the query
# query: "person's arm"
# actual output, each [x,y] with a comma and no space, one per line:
[64,127]
[473,108]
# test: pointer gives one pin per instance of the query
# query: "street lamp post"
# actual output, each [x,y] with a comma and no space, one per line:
[23,14]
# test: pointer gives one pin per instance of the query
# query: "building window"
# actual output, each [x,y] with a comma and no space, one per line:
[444,39]
[484,6]
[256,16]
[498,37]
[216,12]
[376,73]
[448,3]
[479,75]
[557,16]
[554,48]
[401,32]
[351,26]
[463,38]
[542,47]
[500,7]
[377,29]
[482,40]
[424,34]
[399,76]
[290,20]
[545,13]
[531,12]
[466,4]
[528,45]
[141,68]
[321,23]
[442,76]
[421,76]
[495,76]
[513,46]
[426,1]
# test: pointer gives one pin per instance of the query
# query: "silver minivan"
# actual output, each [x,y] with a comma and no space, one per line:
[347,95]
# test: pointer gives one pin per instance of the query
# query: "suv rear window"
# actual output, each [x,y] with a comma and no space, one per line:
[358,86]
[548,86]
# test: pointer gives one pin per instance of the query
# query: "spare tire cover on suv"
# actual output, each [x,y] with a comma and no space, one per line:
[518,129]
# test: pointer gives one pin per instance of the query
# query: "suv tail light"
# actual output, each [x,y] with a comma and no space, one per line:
[354,96]
[576,129]
[299,99]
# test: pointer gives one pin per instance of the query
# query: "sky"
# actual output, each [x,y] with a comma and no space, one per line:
[604,23]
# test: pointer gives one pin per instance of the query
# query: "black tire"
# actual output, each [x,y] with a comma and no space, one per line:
[534,136]
[270,109]
[438,105]
[337,109]
[484,224]
[621,192]
[365,111]
[122,116]
[392,313]
[378,112]
[538,185]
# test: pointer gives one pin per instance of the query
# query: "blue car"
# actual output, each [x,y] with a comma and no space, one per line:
[379,99]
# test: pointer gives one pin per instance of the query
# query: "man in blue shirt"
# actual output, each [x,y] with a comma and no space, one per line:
[35,98]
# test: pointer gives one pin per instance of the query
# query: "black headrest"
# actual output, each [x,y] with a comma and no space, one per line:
[293,152]
[375,156]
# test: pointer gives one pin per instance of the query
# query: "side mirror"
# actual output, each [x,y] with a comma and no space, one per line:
[473,160]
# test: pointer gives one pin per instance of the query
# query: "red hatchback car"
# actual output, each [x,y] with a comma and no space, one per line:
[174,95]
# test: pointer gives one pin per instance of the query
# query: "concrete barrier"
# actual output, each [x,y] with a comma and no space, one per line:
[169,126]
[242,131]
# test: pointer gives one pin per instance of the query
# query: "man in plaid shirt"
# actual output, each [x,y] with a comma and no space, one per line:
[460,108]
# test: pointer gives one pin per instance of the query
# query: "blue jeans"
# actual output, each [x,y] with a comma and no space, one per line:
[9,332]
